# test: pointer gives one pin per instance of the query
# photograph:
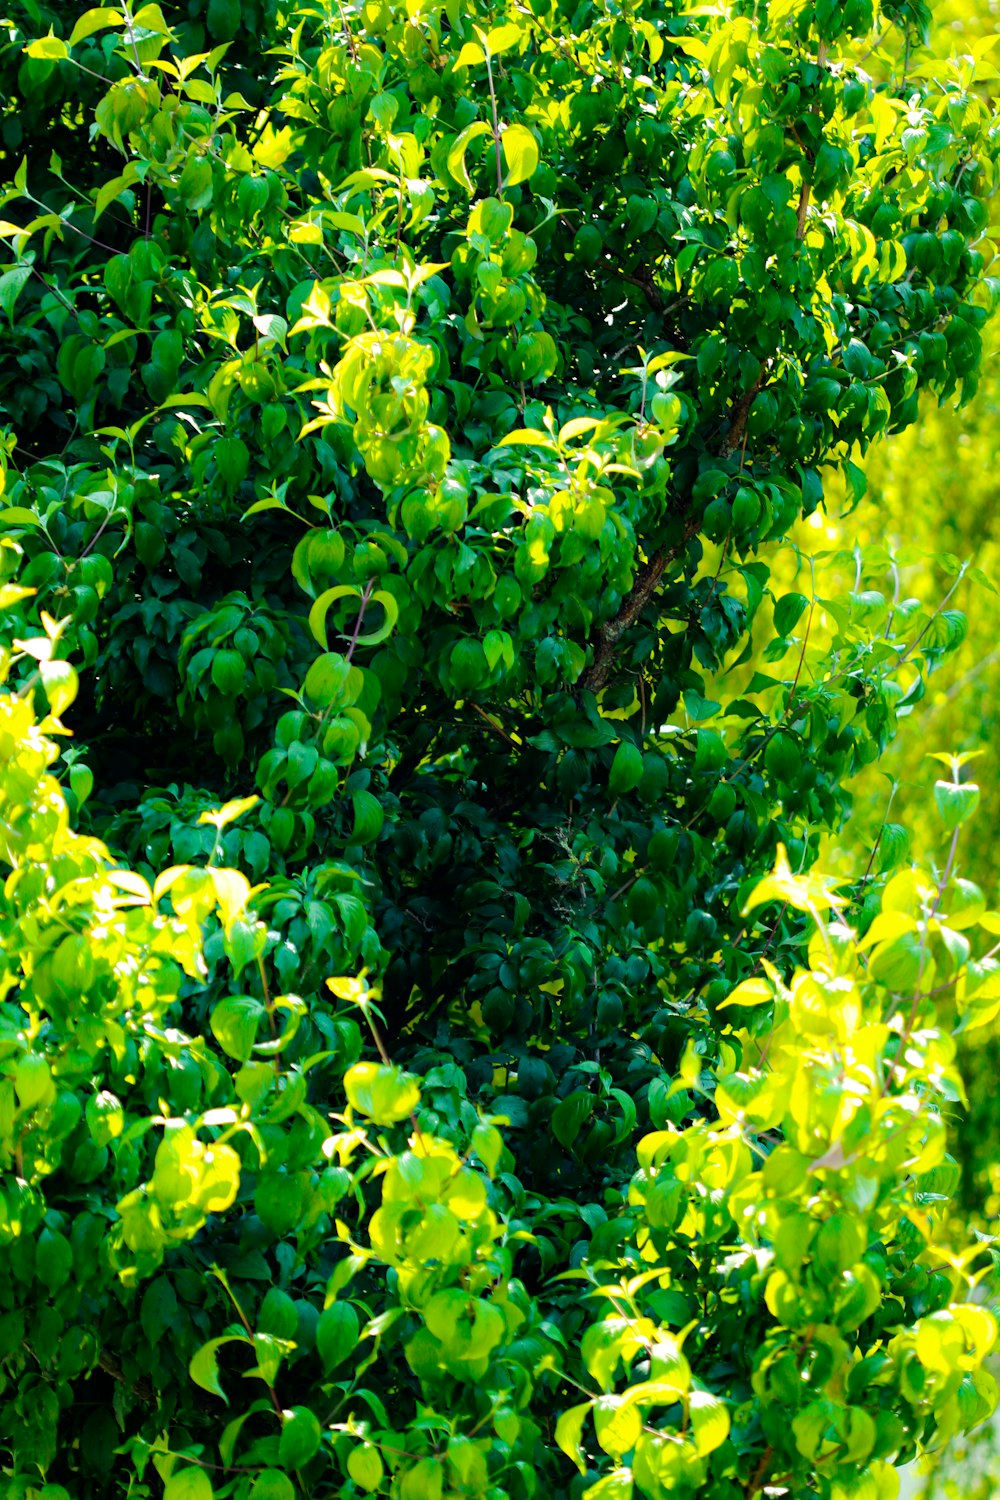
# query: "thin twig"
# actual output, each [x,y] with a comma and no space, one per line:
[496,122]
[715,578]
[54,290]
[131,37]
[365,596]
[757,1477]
[497,728]
[803,209]
[903,655]
[875,846]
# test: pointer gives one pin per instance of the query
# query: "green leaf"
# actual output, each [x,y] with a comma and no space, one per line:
[626,769]
[270,502]
[839,1244]
[50,48]
[221,817]
[368,818]
[228,672]
[365,1466]
[195,185]
[321,608]
[328,680]
[391,608]
[787,612]
[520,151]
[569,1115]
[232,459]
[159,1309]
[188,1484]
[105,1117]
[99,19]
[709,1421]
[487,1143]
[470,56]
[618,1425]
[502,38]
[529,436]
[32,1081]
[271,326]
[19,515]
[750,992]
[204,1369]
[710,754]
[898,964]
[385,1094]
[271,1484]
[12,283]
[235,1021]
[53,1259]
[782,756]
[423,1480]
[301,1436]
[337,1334]
[61,684]
[697,707]
[456,155]
[81,780]
[468,666]
[569,1433]
[956,802]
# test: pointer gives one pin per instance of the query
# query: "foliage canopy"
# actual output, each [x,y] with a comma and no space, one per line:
[403,402]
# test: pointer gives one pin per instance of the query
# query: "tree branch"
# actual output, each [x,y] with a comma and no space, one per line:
[741,412]
[608,635]
[645,284]
[757,1479]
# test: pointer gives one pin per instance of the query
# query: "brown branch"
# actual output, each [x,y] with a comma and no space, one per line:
[497,728]
[803,208]
[741,412]
[643,280]
[141,1387]
[608,635]
[758,1476]
[645,284]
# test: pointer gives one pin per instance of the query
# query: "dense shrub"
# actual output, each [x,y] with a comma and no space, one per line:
[434,1061]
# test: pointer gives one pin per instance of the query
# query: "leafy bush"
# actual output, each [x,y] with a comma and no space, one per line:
[403,405]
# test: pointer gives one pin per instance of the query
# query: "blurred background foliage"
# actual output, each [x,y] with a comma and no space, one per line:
[933,489]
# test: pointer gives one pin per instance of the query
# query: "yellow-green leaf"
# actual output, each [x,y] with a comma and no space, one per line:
[456,156]
[98,19]
[520,151]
